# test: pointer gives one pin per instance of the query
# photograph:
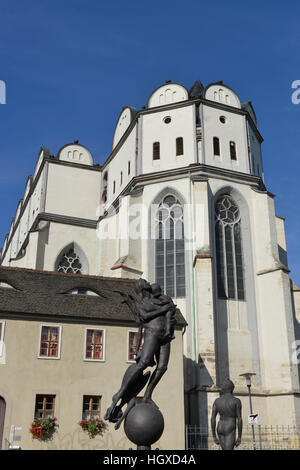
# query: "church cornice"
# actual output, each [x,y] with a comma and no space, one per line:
[195,171]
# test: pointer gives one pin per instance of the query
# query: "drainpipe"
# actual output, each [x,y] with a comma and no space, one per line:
[192,287]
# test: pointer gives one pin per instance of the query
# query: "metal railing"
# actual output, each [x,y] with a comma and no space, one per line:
[266,438]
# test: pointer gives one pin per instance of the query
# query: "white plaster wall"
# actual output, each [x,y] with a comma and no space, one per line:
[183,124]
[118,164]
[122,125]
[73,191]
[30,212]
[61,235]
[233,130]
[107,245]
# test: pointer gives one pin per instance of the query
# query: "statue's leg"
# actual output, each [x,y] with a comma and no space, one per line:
[130,375]
[229,441]
[129,407]
[150,346]
[162,366]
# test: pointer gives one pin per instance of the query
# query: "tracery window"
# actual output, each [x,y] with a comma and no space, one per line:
[169,257]
[70,262]
[230,274]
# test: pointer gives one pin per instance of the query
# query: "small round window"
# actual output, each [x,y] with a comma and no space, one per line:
[223,119]
[167,120]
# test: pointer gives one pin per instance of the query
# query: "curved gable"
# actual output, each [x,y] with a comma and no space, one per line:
[75,153]
[124,121]
[222,94]
[168,94]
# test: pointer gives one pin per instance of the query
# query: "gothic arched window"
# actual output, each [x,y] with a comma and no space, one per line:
[169,244]
[69,262]
[230,275]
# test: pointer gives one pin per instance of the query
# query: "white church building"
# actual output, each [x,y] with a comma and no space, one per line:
[181,201]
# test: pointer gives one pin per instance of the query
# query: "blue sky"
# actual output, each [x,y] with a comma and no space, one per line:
[69,66]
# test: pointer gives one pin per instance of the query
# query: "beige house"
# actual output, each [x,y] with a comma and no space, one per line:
[66,341]
[181,201]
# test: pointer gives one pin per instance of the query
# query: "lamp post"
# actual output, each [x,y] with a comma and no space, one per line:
[247,376]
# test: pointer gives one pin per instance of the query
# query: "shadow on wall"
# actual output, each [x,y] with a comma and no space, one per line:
[196,401]
[295,292]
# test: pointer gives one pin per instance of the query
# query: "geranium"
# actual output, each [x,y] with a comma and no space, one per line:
[42,428]
[93,426]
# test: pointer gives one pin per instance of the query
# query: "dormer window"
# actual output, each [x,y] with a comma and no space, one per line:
[6,285]
[156,151]
[81,291]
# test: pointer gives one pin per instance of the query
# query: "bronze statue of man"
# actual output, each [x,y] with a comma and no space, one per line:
[230,410]
[151,313]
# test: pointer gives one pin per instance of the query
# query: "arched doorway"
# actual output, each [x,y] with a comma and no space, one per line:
[2,419]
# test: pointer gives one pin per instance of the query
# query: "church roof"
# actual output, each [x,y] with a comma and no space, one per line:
[46,294]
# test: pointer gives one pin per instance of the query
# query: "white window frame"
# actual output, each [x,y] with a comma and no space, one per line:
[2,338]
[131,330]
[103,348]
[50,325]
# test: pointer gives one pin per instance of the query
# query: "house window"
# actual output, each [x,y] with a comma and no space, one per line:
[114,187]
[216,143]
[179,146]
[50,341]
[94,344]
[44,406]
[129,167]
[230,273]
[232,147]
[133,337]
[91,406]
[121,178]
[169,249]
[156,151]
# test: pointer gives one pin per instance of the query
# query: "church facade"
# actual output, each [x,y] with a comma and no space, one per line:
[180,201]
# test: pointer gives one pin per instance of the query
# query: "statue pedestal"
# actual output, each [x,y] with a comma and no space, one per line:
[144,425]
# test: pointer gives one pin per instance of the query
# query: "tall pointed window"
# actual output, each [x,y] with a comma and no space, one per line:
[179,146]
[156,151]
[216,145]
[169,257]
[230,274]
